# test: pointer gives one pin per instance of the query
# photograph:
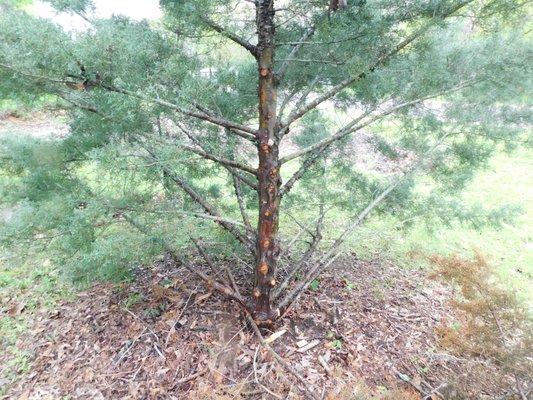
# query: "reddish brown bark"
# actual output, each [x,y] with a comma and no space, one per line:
[268,172]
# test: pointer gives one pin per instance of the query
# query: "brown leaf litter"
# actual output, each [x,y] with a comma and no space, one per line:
[165,336]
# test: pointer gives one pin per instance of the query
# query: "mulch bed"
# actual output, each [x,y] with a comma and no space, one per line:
[165,336]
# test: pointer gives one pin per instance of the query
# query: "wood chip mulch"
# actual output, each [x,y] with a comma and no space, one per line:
[165,336]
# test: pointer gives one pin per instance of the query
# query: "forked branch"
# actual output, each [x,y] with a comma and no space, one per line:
[213,266]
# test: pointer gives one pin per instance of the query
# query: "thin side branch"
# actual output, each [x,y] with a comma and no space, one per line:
[220,160]
[294,52]
[240,200]
[231,36]
[228,167]
[316,150]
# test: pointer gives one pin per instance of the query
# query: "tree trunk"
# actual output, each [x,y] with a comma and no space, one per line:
[268,172]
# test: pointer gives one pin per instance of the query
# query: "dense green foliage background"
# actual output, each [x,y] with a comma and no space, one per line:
[67,195]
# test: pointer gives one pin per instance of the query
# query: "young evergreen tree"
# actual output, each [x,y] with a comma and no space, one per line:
[242,109]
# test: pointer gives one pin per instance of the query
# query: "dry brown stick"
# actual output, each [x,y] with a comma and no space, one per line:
[127,350]
[211,264]
[189,378]
[278,358]
[151,332]
[205,256]
[232,281]
[277,396]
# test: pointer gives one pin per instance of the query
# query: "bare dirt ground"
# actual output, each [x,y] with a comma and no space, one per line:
[41,125]
[369,325]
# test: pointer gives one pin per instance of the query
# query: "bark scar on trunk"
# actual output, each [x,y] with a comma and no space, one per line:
[268,172]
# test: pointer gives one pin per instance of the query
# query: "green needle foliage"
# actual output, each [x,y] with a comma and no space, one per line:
[153,104]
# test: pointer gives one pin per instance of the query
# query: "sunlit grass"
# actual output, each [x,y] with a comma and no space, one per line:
[508,180]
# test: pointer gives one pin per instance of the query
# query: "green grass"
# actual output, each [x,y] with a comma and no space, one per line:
[32,286]
[508,180]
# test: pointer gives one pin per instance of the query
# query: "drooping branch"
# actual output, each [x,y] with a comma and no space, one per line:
[202,151]
[39,78]
[230,35]
[298,113]
[241,130]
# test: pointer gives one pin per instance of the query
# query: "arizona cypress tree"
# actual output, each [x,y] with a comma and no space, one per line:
[241,109]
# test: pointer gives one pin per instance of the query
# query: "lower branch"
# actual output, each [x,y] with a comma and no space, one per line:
[203,203]
[317,236]
[327,259]
[210,282]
